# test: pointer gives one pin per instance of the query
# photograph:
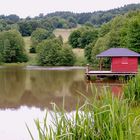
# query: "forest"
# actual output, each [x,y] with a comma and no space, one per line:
[93,32]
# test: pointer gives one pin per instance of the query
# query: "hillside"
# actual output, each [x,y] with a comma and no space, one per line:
[96,18]
[64,33]
[66,20]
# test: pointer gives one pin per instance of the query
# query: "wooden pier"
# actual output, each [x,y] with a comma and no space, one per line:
[109,73]
[90,73]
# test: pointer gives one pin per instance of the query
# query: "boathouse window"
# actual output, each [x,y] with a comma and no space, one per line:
[124,60]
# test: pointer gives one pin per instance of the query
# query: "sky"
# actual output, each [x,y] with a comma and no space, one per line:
[24,8]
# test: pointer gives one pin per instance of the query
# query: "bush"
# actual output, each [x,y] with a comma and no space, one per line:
[12,47]
[68,57]
[74,39]
[51,53]
[100,45]
[32,50]
[38,36]
[88,51]
[83,36]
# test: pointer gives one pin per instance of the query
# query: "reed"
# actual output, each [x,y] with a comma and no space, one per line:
[106,119]
[132,89]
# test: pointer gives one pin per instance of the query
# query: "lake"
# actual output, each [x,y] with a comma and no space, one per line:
[26,93]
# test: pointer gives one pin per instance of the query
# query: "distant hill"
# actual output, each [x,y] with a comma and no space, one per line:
[96,18]
[65,20]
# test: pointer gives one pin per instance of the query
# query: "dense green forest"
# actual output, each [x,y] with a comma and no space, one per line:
[61,19]
[98,31]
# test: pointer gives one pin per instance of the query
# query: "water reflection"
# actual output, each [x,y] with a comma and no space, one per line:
[39,88]
[26,93]
[12,85]
[19,87]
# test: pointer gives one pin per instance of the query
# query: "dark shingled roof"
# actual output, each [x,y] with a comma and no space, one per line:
[116,52]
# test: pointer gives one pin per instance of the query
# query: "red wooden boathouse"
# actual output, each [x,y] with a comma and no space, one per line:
[122,59]
[123,62]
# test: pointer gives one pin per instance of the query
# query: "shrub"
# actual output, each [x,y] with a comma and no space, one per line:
[83,36]
[51,53]
[38,36]
[68,57]
[12,47]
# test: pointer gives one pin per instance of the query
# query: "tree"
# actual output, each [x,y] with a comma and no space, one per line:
[133,34]
[12,18]
[88,51]
[72,22]
[51,53]
[38,36]
[101,44]
[74,39]
[27,27]
[12,47]
[68,57]
[83,36]
[88,37]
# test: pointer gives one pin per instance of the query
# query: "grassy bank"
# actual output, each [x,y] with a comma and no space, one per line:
[80,58]
[108,118]
[64,33]
[79,53]
[32,56]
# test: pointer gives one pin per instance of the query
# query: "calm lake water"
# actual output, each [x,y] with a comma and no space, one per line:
[26,93]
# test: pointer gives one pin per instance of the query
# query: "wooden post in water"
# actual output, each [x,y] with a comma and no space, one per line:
[87,73]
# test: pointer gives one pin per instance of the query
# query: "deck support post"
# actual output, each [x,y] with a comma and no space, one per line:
[101,60]
[87,69]
[87,73]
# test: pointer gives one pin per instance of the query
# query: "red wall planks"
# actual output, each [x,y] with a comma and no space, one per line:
[124,64]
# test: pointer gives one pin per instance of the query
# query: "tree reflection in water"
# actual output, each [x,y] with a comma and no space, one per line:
[39,88]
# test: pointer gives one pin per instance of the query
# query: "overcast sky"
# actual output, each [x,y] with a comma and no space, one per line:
[25,8]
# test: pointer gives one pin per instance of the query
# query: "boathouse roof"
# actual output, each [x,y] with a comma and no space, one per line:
[118,52]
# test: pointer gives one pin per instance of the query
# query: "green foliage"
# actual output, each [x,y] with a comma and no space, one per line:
[12,47]
[88,37]
[83,36]
[51,53]
[104,29]
[72,22]
[68,57]
[12,18]
[62,19]
[122,31]
[106,119]
[133,34]
[132,89]
[3,25]
[80,58]
[27,27]
[38,36]
[101,44]
[96,18]
[88,51]
[74,39]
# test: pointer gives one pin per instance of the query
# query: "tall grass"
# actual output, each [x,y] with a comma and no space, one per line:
[132,89]
[105,119]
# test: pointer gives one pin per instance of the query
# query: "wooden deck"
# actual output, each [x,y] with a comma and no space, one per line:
[109,73]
